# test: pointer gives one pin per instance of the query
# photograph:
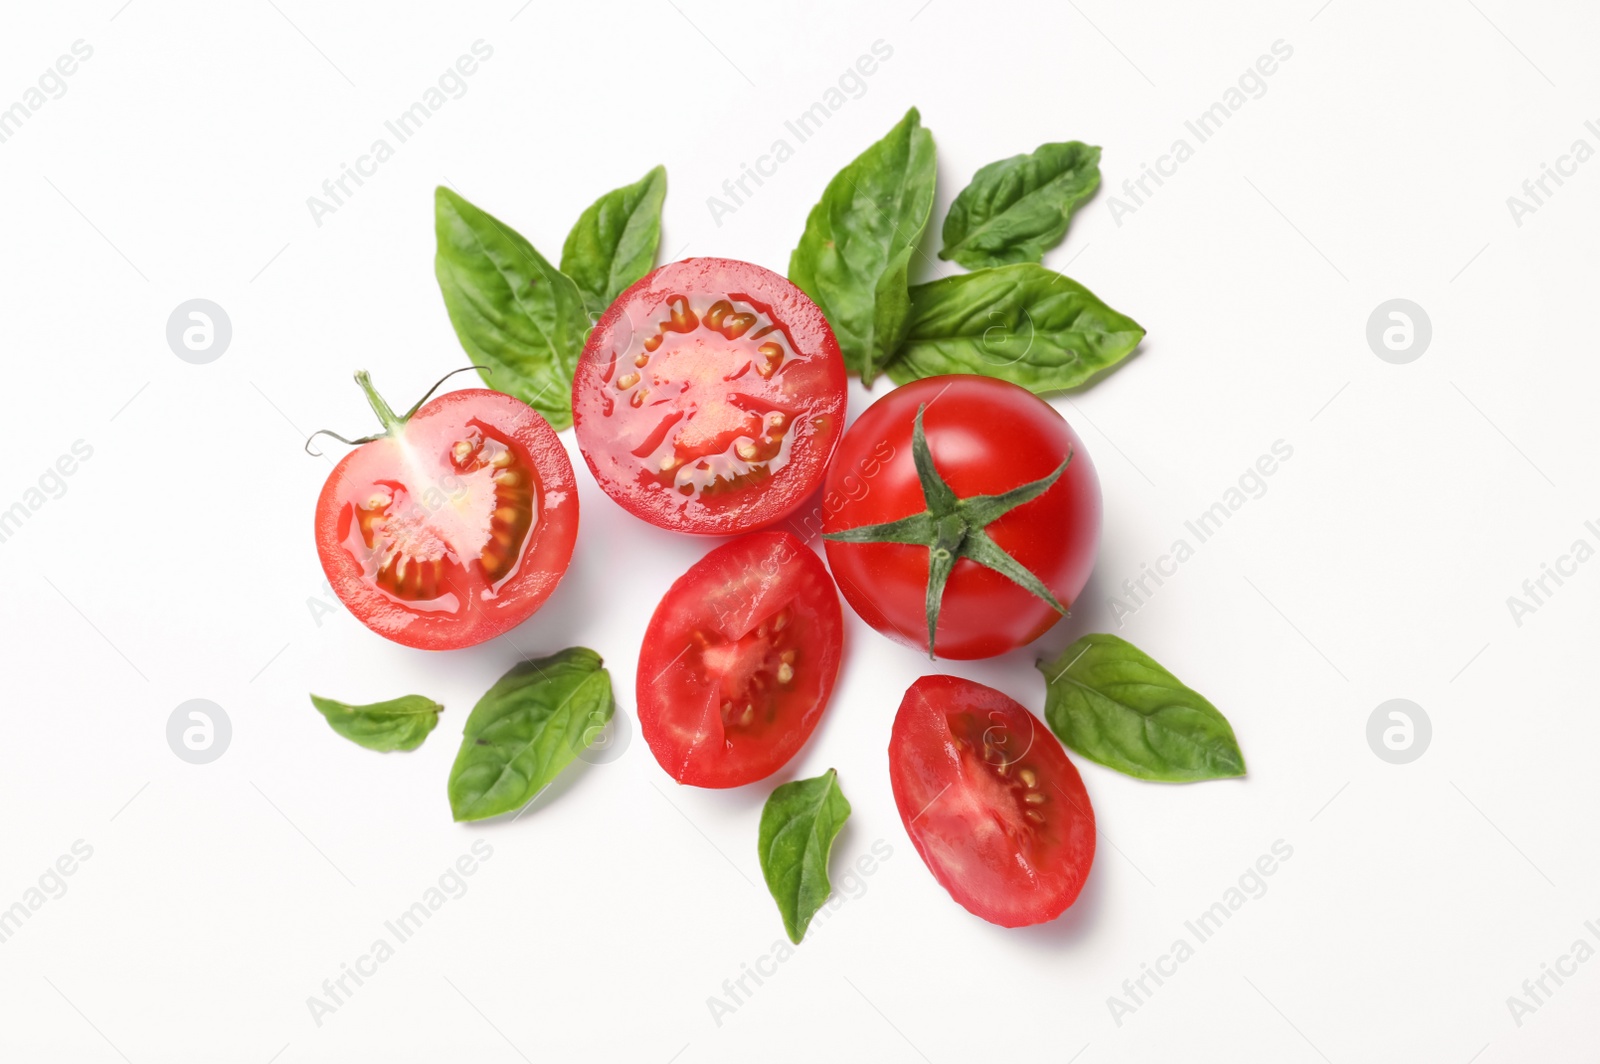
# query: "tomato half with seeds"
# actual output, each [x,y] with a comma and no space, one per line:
[992,805]
[710,397]
[739,661]
[962,516]
[454,524]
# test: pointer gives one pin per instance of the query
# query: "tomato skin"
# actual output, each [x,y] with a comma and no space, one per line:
[1000,856]
[987,436]
[720,641]
[673,398]
[486,608]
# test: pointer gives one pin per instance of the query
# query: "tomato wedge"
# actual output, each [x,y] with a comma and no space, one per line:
[993,806]
[454,524]
[709,397]
[739,661]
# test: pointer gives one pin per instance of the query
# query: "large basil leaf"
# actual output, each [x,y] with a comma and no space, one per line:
[1017,208]
[798,826]
[1109,701]
[398,724]
[526,729]
[614,241]
[855,253]
[1022,323]
[512,310]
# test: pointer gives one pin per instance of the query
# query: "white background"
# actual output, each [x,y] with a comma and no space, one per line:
[180,564]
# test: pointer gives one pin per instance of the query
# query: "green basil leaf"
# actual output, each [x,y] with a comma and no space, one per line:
[798,826]
[1109,701]
[1023,323]
[614,242]
[1017,208]
[398,724]
[854,256]
[526,729]
[512,310]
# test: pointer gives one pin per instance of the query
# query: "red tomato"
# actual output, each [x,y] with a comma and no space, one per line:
[986,437]
[453,526]
[993,806]
[710,397]
[739,660]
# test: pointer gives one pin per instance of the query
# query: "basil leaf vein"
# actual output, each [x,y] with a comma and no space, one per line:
[511,309]
[1017,208]
[1111,702]
[798,825]
[855,254]
[1022,323]
[526,729]
[398,724]
[614,241]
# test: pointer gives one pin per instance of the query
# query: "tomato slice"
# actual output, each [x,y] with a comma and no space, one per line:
[453,527]
[710,397]
[739,661]
[990,801]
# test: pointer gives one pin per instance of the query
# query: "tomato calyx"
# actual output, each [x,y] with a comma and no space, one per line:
[953,528]
[392,423]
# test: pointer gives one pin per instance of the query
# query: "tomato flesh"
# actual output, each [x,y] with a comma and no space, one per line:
[710,397]
[991,802]
[986,437]
[455,527]
[739,660]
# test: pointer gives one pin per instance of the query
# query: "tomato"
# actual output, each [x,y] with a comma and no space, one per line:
[993,806]
[739,661]
[710,397]
[453,525]
[985,437]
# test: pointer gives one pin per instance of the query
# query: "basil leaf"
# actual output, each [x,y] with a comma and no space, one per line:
[512,310]
[1017,208]
[398,724]
[798,826]
[856,250]
[614,241]
[1023,323]
[526,729]
[1109,701]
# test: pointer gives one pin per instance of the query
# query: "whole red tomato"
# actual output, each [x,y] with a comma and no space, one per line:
[977,547]
[710,397]
[452,525]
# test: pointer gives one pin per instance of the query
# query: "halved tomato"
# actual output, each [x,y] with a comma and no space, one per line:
[993,806]
[454,524]
[710,397]
[739,661]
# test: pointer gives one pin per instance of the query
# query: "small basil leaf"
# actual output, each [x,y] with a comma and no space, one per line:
[1023,323]
[614,241]
[798,826]
[398,724]
[526,729]
[1017,208]
[1109,701]
[856,250]
[512,310]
